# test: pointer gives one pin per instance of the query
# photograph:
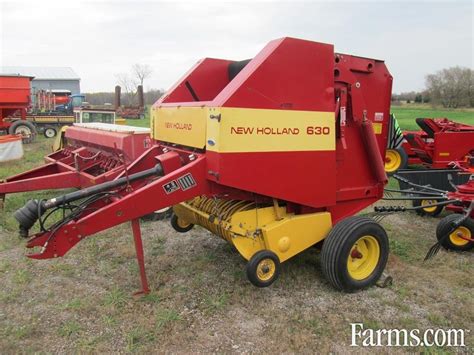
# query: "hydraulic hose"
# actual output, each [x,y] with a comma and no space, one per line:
[34,209]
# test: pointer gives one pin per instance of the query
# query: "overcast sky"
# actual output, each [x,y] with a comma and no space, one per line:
[100,39]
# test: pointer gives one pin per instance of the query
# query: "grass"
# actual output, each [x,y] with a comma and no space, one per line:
[166,316]
[201,300]
[69,329]
[406,115]
[115,298]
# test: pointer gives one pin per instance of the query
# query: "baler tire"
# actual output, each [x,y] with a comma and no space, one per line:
[339,245]
[403,160]
[256,273]
[452,242]
[16,126]
[427,211]
[179,228]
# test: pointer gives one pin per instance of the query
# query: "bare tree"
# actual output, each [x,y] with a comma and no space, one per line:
[141,72]
[130,82]
[129,86]
[452,87]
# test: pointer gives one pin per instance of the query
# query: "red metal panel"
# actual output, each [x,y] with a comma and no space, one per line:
[307,178]
[15,90]
[207,78]
[131,145]
[288,74]
[451,146]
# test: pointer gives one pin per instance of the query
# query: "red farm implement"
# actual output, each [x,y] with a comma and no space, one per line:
[438,144]
[14,102]
[453,189]
[95,153]
[274,154]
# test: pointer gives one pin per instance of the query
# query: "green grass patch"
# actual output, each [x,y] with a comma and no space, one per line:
[166,316]
[115,298]
[215,303]
[400,248]
[137,337]
[74,304]
[69,329]
[406,116]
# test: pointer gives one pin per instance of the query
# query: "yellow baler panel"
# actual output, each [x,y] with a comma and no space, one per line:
[293,234]
[263,130]
[180,125]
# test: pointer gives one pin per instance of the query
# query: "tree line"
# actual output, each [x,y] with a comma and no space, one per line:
[100,98]
[451,88]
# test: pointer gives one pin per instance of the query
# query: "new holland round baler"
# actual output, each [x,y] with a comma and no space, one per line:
[275,155]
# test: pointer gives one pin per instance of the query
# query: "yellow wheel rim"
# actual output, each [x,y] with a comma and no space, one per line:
[428,203]
[266,269]
[457,236]
[363,257]
[182,224]
[393,160]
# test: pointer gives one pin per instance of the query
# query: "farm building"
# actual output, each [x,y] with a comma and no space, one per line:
[48,78]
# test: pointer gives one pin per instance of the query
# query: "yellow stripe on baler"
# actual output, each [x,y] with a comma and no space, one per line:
[261,130]
[233,130]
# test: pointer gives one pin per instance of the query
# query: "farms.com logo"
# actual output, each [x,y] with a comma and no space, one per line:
[361,336]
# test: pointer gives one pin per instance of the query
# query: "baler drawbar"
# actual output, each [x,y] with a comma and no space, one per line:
[275,155]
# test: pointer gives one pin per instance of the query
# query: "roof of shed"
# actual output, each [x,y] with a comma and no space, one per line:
[42,73]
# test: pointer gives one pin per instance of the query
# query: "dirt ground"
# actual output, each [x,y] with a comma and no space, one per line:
[202,302]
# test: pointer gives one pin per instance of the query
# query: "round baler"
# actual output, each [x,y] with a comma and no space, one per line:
[275,155]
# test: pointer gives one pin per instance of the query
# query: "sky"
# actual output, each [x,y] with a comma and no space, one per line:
[103,39]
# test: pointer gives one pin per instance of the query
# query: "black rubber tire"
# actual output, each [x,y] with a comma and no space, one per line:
[337,246]
[252,266]
[50,132]
[443,228]
[18,124]
[403,157]
[177,227]
[423,212]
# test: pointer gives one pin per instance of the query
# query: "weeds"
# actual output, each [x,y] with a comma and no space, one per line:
[18,332]
[69,329]
[74,304]
[151,297]
[22,276]
[400,249]
[136,337]
[115,298]
[165,316]
[216,303]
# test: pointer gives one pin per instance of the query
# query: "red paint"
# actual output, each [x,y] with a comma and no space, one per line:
[14,96]
[441,135]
